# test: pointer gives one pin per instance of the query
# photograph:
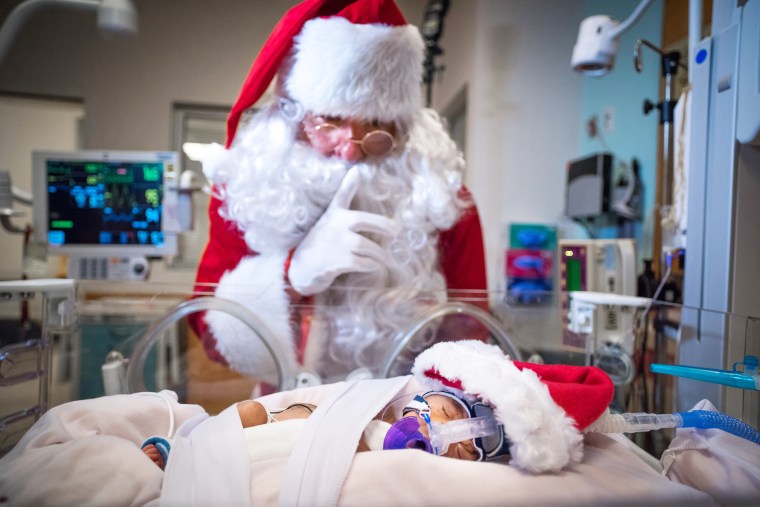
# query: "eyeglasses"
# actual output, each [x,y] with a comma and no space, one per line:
[375,143]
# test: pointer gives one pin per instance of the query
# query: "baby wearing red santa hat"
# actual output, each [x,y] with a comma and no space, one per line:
[535,412]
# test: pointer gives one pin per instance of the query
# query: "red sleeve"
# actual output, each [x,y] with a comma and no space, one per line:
[462,255]
[224,250]
[463,264]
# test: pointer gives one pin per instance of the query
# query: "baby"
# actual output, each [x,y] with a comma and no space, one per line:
[434,407]
[478,405]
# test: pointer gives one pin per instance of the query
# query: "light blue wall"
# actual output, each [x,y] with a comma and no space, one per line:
[623,91]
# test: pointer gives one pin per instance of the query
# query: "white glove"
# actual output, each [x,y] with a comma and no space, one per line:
[335,246]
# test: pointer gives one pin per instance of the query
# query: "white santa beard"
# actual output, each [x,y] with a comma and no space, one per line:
[276,188]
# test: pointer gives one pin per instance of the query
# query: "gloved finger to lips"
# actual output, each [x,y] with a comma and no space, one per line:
[347,189]
[367,248]
[363,221]
[365,265]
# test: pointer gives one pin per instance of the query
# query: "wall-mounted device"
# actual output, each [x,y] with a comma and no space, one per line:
[594,190]
[596,47]
[588,186]
[114,205]
[599,265]
[529,267]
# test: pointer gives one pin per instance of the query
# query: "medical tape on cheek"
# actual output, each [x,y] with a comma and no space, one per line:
[418,404]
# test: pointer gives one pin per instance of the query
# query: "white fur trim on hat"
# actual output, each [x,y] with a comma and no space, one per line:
[213,160]
[258,284]
[365,71]
[543,438]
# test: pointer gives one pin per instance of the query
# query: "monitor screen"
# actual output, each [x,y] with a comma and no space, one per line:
[105,203]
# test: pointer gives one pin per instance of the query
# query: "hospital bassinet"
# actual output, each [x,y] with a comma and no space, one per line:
[136,337]
[146,324]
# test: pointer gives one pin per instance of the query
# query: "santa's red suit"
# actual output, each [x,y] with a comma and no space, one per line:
[271,192]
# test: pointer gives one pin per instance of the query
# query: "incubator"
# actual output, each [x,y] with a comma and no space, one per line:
[311,362]
[130,337]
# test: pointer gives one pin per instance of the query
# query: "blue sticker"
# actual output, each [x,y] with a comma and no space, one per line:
[701,55]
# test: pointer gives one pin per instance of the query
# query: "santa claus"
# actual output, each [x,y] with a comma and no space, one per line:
[342,195]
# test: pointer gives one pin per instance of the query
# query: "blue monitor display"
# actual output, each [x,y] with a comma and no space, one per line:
[104,203]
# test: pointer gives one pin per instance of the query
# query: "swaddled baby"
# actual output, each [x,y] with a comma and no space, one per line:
[419,416]
[478,404]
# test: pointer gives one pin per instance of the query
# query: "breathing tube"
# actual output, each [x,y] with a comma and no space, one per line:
[405,433]
[481,427]
[701,419]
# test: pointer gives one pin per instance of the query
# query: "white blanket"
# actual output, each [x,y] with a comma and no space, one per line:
[87,453]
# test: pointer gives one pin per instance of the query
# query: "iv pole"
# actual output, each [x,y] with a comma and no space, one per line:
[669,63]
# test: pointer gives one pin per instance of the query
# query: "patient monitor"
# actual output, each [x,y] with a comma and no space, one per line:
[107,211]
[602,266]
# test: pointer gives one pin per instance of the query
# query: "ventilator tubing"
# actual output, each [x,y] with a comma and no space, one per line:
[702,419]
[442,435]
[707,419]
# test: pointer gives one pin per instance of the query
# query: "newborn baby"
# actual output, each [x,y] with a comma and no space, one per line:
[431,408]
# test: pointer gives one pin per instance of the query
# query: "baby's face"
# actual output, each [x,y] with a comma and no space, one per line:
[442,410]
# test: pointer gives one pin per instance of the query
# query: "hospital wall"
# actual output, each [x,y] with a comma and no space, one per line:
[628,133]
[523,109]
[186,51]
[527,110]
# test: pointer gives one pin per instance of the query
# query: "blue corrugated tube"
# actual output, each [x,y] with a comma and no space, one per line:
[706,419]
[703,419]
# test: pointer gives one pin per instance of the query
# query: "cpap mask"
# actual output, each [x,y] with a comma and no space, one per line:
[481,427]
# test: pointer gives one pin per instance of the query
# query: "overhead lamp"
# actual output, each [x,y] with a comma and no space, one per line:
[117,16]
[114,16]
[595,50]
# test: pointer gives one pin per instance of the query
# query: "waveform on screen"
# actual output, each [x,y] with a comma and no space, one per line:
[118,217]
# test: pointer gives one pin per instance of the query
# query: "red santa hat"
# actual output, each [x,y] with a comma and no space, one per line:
[340,58]
[543,408]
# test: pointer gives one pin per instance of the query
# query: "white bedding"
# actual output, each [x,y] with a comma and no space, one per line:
[87,453]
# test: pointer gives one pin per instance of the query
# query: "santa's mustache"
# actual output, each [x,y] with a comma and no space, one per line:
[275,198]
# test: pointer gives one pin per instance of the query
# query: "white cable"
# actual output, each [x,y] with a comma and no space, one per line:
[646,309]
[161,395]
[641,453]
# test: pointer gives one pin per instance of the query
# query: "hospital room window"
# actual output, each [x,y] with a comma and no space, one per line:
[198,125]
